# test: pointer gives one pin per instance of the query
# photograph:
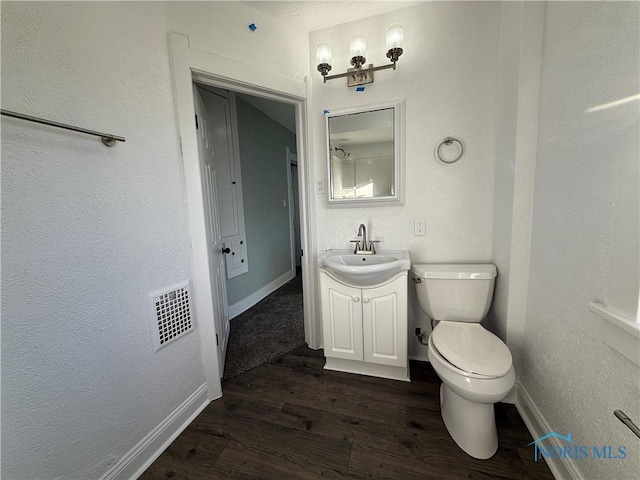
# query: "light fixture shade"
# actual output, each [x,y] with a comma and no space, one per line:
[323,54]
[395,36]
[358,46]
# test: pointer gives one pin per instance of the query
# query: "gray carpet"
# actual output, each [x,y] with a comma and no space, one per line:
[266,331]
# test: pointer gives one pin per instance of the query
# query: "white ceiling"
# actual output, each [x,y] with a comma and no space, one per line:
[312,15]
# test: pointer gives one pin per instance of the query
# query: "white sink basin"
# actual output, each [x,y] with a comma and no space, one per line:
[365,270]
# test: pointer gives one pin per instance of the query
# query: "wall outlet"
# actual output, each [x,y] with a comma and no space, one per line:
[320,186]
[419,227]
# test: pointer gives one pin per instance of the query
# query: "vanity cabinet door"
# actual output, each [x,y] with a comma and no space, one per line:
[341,319]
[384,313]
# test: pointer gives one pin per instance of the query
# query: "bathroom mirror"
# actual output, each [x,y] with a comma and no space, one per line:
[364,155]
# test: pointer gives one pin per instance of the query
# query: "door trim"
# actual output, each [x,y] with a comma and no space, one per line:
[189,65]
[292,236]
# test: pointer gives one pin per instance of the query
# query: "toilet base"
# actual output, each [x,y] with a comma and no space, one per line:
[471,425]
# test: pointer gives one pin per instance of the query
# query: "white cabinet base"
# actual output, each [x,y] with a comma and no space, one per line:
[365,328]
[365,368]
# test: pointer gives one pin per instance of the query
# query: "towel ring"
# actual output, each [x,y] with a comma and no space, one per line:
[448,141]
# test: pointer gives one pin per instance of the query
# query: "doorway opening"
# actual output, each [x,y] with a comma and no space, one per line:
[249,166]
[188,66]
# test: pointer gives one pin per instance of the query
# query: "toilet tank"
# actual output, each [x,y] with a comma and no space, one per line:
[455,292]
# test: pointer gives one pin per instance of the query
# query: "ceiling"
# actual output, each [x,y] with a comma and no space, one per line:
[282,113]
[312,15]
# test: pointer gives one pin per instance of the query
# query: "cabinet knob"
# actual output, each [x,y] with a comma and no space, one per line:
[366,300]
[356,299]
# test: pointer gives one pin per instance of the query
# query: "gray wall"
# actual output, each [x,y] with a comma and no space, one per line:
[264,186]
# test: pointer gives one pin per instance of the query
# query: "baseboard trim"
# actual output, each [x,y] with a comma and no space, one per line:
[248,302]
[561,468]
[146,451]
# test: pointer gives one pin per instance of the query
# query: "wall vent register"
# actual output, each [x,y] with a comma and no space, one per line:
[169,314]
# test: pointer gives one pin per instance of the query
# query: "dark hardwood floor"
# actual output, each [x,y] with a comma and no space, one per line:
[290,419]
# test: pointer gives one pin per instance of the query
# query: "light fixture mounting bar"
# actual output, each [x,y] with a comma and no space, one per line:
[358,76]
[362,70]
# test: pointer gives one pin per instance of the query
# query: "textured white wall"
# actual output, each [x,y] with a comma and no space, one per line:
[222,28]
[590,58]
[447,75]
[87,231]
[506,123]
[520,60]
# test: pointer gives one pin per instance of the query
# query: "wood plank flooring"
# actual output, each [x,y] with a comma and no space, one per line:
[290,419]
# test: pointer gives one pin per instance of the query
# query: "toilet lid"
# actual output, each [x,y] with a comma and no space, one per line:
[472,348]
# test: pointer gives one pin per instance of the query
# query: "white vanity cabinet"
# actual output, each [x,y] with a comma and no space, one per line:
[365,328]
[341,319]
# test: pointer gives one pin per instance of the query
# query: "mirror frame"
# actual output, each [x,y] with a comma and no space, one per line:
[398,157]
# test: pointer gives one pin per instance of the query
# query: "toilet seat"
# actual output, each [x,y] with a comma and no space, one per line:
[471,348]
[438,357]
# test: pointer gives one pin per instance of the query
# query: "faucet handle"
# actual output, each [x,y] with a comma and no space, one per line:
[372,246]
[357,247]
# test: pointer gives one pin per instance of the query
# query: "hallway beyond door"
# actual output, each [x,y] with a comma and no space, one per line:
[269,329]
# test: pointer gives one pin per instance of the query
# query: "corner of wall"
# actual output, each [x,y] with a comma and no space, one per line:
[538,426]
[146,451]
[520,66]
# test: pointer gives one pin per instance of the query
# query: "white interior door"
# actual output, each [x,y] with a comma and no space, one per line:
[219,113]
[214,233]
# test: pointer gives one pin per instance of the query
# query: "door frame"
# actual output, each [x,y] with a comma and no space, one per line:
[188,66]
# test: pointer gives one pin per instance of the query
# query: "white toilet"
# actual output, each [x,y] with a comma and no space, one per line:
[475,366]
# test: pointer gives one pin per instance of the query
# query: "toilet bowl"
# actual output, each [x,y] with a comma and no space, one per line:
[475,366]
[467,399]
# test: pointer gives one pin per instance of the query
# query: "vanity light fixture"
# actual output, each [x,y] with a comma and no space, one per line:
[358,51]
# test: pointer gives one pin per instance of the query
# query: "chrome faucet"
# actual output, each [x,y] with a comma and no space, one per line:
[366,249]
[362,232]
